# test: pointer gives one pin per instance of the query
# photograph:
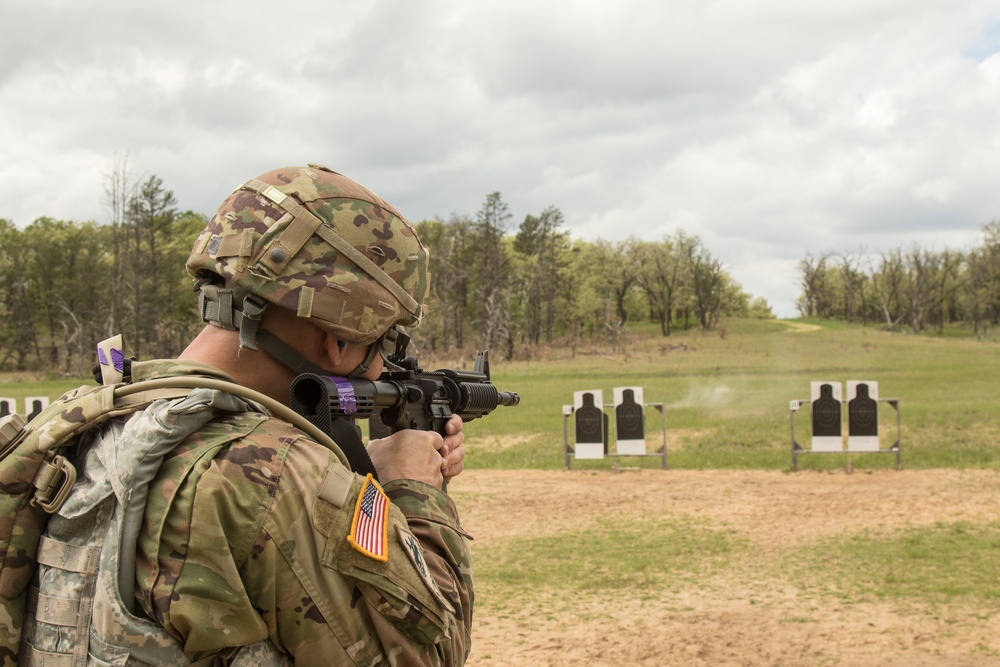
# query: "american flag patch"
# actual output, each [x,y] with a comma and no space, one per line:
[369,530]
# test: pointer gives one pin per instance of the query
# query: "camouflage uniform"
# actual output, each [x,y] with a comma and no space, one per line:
[203,524]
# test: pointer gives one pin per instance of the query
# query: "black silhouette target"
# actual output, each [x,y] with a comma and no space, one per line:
[628,416]
[862,413]
[826,413]
[589,421]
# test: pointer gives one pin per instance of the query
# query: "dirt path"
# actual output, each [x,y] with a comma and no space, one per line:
[800,327]
[750,618]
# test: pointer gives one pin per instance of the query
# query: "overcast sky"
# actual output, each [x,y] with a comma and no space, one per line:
[768,128]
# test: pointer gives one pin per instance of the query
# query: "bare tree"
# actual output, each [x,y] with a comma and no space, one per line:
[816,300]
[949,282]
[707,281]
[118,190]
[922,266]
[888,283]
[852,283]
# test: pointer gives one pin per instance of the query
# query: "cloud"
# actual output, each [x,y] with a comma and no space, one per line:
[769,129]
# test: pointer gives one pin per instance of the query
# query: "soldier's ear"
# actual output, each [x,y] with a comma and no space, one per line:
[334,348]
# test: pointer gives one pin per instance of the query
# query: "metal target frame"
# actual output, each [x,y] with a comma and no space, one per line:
[797,449]
[569,452]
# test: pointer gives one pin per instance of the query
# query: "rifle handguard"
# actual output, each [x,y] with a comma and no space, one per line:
[402,400]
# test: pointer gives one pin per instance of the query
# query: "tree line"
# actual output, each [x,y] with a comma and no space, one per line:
[514,289]
[912,288]
[67,285]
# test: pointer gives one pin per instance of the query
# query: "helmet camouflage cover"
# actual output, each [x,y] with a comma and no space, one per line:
[317,243]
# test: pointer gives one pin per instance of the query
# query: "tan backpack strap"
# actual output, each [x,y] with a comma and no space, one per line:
[275,407]
[56,476]
[145,397]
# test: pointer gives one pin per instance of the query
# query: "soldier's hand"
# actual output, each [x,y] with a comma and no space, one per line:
[424,456]
[452,450]
[409,454]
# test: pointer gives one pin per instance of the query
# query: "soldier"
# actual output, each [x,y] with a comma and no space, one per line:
[204,530]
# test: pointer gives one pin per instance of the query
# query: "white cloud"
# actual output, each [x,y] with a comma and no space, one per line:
[769,128]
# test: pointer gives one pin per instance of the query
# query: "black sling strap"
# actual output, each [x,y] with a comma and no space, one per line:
[346,434]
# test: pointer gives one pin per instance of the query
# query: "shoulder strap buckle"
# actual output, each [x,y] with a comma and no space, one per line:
[11,430]
[54,481]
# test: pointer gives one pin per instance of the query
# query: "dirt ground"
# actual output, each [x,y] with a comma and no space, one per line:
[752,619]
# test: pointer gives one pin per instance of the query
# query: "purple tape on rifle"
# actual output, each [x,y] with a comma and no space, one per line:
[346,397]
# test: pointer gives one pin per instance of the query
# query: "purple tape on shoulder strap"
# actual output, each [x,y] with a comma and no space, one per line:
[118,359]
[346,397]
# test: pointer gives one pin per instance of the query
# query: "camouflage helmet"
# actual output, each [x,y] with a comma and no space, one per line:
[317,243]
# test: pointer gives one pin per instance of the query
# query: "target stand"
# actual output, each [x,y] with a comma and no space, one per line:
[862,419]
[591,426]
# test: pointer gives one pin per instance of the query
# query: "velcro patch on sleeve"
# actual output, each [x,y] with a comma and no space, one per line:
[416,554]
[369,528]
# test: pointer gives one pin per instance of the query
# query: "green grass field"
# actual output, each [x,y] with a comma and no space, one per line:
[727,397]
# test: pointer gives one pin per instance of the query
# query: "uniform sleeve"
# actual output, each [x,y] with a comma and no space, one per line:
[433,518]
[322,594]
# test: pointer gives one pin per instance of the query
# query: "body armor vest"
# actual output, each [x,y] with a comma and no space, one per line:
[81,607]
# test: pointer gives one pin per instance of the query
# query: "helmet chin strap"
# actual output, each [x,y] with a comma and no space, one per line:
[365,365]
[288,357]
[235,309]
[291,359]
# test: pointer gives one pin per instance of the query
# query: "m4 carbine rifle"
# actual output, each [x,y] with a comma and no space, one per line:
[409,398]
